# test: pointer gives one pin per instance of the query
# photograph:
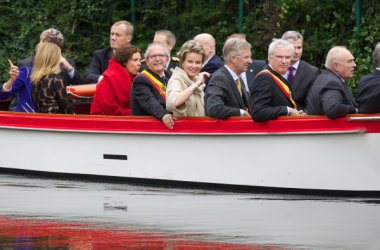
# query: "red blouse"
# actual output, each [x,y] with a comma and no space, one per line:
[112,96]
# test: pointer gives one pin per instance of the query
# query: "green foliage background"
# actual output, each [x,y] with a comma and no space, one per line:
[86,25]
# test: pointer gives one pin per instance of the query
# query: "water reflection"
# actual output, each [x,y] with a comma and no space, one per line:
[70,211]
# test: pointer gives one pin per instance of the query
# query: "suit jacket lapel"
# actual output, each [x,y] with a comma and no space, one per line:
[246,99]
[235,89]
[349,94]
[299,73]
[346,89]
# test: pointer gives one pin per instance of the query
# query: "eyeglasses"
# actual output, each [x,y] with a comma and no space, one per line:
[159,56]
[280,58]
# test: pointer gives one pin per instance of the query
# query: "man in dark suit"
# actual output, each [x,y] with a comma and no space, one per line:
[368,95]
[300,74]
[271,96]
[253,69]
[225,94]
[120,37]
[212,61]
[148,93]
[167,38]
[329,95]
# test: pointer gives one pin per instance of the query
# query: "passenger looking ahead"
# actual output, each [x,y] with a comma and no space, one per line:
[184,94]
[368,95]
[148,97]
[300,74]
[329,95]
[49,87]
[225,93]
[271,96]
[212,61]
[120,37]
[112,96]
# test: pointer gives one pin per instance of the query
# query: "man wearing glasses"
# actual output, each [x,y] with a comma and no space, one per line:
[271,95]
[148,96]
[300,74]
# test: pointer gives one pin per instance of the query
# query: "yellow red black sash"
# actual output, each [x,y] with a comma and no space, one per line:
[156,83]
[284,88]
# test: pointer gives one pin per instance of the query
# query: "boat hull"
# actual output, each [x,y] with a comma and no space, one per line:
[311,161]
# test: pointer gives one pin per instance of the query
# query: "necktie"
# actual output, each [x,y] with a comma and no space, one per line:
[291,75]
[238,84]
[164,80]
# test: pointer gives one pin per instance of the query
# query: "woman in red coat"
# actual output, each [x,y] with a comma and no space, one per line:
[112,96]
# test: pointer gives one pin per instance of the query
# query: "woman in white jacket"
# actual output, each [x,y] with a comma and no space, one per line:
[184,93]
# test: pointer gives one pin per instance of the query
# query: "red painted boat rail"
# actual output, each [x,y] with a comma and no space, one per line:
[204,125]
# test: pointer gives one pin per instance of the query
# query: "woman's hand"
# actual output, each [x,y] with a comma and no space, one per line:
[13,73]
[201,78]
[65,64]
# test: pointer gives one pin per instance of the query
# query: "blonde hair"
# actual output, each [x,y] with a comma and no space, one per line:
[191,46]
[46,61]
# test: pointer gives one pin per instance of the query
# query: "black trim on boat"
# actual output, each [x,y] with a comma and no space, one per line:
[192,185]
[115,157]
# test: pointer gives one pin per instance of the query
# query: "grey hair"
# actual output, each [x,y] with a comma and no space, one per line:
[52,33]
[279,42]
[170,37]
[233,47]
[291,34]
[333,55]
[376,55]
[128,26]
[147,52]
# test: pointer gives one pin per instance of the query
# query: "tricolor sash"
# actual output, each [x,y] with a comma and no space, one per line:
[156,83]
[284,88]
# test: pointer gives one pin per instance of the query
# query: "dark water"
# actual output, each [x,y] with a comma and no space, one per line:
[62,214]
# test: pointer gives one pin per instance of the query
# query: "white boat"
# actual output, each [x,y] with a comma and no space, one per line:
[313,154]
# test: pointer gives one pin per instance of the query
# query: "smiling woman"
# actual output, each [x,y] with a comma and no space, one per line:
[185,96]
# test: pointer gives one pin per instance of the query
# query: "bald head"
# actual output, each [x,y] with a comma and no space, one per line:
[340,60]
[208,44]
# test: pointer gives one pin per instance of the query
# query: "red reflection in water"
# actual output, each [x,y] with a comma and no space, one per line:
[49,234]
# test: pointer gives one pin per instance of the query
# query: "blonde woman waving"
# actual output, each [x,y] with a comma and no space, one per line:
[185,96]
